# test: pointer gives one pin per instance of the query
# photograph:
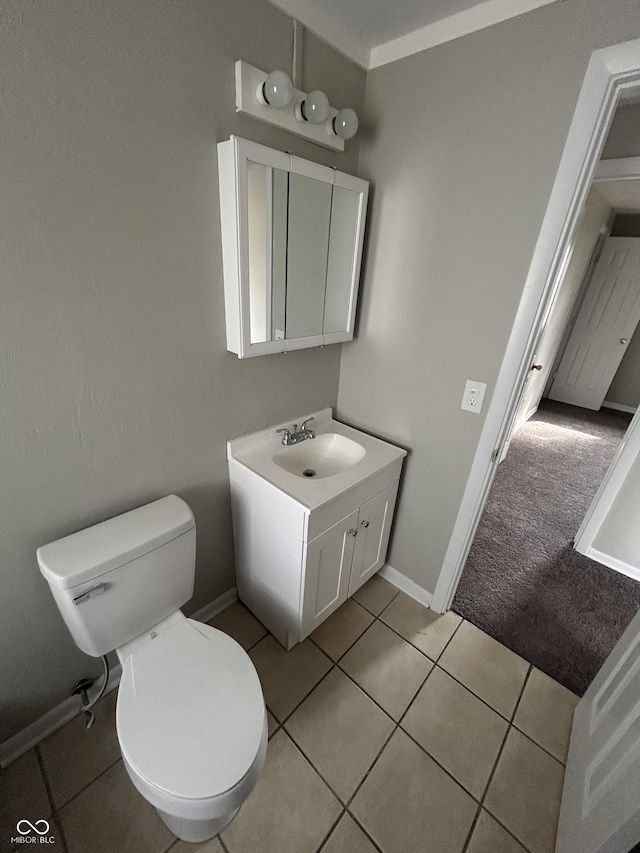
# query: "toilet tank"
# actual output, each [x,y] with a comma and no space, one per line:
[117,579]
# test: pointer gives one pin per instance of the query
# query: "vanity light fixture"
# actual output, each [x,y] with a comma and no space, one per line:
[274,99]
[276,91]
[314,108]
[345,124]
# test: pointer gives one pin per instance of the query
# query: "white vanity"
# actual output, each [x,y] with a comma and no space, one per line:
[311,521]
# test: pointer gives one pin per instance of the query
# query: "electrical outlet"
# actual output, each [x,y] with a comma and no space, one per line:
[473,396]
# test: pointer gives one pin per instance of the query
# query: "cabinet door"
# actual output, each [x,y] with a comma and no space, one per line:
[327,568]
[374,527]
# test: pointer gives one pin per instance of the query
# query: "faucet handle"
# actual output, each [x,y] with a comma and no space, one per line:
[304,424]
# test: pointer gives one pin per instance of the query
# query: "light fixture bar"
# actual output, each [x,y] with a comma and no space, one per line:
[250,79]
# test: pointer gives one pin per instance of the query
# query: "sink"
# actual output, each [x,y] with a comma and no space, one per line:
[317,470]
[320,457]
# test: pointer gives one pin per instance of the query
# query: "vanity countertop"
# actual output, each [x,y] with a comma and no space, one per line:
[257,450]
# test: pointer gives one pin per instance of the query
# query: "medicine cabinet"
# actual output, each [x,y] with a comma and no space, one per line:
[292,234]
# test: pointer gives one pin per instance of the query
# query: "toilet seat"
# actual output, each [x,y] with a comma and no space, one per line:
[190,716]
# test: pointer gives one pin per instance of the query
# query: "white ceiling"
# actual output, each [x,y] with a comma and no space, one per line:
[376,32]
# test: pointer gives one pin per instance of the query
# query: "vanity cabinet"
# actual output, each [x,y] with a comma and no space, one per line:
[304,545]
[295,566]
[339,561]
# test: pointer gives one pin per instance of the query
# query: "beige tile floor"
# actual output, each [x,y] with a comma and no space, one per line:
[392,729]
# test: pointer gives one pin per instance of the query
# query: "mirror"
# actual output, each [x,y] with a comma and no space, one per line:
[292,278]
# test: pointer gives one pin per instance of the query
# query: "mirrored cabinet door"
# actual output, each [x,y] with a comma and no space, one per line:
[342,259]
[292,235]
[307,252]
[267,191]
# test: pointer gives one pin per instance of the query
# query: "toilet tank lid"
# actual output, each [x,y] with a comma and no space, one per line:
[92,552]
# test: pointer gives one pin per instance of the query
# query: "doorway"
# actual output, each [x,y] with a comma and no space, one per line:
[525,613]
[524,583]
[613,72]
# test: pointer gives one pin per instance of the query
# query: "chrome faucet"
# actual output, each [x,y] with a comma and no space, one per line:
[295,435]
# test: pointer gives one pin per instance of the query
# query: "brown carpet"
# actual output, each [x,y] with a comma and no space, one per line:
[523,583]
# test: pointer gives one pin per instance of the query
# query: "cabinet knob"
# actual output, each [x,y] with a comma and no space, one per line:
[365,523]
[353,532]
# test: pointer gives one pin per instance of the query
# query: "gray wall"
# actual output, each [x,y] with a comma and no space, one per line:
[624,135]
[463,145]
[625,388]
[116,384]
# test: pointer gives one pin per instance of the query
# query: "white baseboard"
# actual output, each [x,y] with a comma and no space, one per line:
[406,585]
[206,613]
[613,563]
[619,407]
[54,719]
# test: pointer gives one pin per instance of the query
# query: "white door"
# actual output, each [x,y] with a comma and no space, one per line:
[327,568]
[600,810]
[604,325]
[522,415]
[374,529]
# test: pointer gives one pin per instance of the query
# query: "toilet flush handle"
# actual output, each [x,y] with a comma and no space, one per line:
[98,589]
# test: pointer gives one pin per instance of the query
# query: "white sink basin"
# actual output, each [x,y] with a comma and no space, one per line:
[323,456]
[341,457]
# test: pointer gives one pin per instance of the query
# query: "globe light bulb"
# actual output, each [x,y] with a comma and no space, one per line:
[345,124]
[276,91]
[315,107]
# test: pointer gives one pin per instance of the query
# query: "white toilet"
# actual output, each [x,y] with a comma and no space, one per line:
[190,715]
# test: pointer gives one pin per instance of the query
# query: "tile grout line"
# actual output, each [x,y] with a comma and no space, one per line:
[413,699]
[334,825]
[397,724]
[343,803]
[340,800]
[435,665]
[493,771]
[469,690]
[362,781]
[89,784]
[375,702]
[434,662]
[348,649]
[535,743]
[374,844]
[49,790]
[304,698]
[524,685]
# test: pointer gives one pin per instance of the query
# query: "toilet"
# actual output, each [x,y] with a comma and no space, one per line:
[190,715]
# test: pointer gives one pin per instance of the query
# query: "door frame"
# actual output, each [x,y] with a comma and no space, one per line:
[607,492]
[611,70]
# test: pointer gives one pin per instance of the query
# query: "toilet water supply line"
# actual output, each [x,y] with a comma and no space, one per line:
[81,689]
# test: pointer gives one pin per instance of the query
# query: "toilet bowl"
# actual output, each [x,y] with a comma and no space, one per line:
[191,724]
[190,714]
